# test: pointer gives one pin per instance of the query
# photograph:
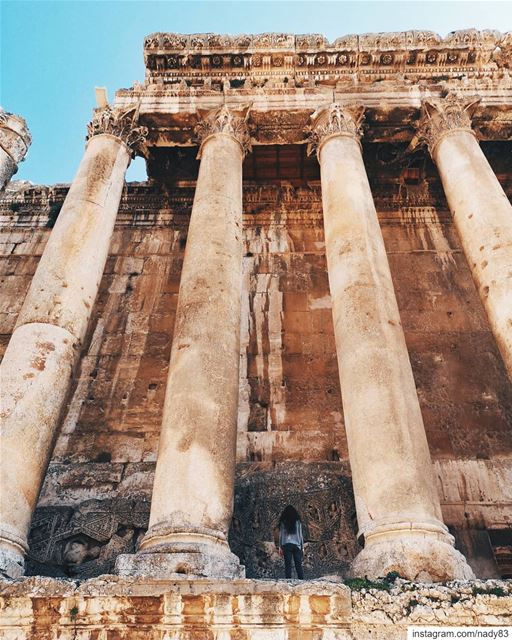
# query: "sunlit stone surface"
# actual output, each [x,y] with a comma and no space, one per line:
[15,139]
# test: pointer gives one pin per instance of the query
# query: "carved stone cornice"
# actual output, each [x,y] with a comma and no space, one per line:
[445,116]
[335,120]
[122,124]
[302,59]
[15,137]
[225,121]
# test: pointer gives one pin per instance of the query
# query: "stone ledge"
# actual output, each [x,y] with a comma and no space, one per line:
[179,55]
[194,609]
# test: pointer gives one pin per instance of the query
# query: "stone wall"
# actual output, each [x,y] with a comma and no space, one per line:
[110,608]
[291,438]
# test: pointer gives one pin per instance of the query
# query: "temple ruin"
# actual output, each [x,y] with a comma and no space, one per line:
[309,302]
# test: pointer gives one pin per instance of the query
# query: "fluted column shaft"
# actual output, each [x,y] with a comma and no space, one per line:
[192,502]
[38,363]
[15,140]
[397,505]
[481,211]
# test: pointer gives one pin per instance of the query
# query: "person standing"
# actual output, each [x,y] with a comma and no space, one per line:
[291,541]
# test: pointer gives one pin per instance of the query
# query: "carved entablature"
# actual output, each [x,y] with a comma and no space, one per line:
[15,137]
[440,117]
[171,57]
[286,77]
[120,123]
[225,121]
[503,53]
[335,120]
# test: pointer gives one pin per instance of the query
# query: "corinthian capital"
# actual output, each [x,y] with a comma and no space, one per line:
[122,124]
[224,121]
[335,120]
[443,116]
[15,137]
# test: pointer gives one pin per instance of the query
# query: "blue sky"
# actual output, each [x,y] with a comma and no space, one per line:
[53,53]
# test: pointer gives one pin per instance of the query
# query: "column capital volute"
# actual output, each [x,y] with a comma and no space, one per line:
[15,137]
[225,121]
[337,119]
[444,116]
[120,123]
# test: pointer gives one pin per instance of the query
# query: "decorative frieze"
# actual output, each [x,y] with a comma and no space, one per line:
[120,123]
[226,121]
[180,55]
[144,205]
[337,119]
[84,540]
[440,117]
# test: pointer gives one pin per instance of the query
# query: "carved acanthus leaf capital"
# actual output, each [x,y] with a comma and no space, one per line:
[15,137]
[226,121]
[335,120]
[122,124]
[443,116]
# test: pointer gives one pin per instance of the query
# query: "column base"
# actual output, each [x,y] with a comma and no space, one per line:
[418,555]
[175,555]
[12,560]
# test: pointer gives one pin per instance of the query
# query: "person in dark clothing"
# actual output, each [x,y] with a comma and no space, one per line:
[291,542]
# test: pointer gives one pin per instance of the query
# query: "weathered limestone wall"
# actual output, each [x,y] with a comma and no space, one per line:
[95,501]
[109,608]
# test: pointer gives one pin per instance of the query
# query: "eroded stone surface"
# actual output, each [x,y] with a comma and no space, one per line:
[51,325]
[291,441]
[192,499]
[289,401]
[321,493]
[136,608]
[481,211]
[287,337]
[394,488]
[83,539]
[15,139]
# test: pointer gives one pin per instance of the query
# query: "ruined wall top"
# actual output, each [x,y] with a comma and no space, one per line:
[412,53]
[15,136]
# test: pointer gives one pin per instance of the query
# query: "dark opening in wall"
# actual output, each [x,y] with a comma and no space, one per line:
[501,541]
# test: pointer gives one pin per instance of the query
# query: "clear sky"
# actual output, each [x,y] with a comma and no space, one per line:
[53,53]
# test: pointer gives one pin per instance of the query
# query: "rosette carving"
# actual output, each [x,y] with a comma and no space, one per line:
[337,119]
[120,123]
[225,121]
[442,116]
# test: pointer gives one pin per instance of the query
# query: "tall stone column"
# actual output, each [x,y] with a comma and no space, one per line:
[398,509]
[15,139]
[44,347]
[192,501]
[480,209]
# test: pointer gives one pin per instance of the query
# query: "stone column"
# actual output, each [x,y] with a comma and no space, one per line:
[192,501]
[37,366]
[480,209]
[15,140]
[398,509]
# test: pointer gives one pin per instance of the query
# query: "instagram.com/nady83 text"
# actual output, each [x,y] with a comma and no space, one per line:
[438,633]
